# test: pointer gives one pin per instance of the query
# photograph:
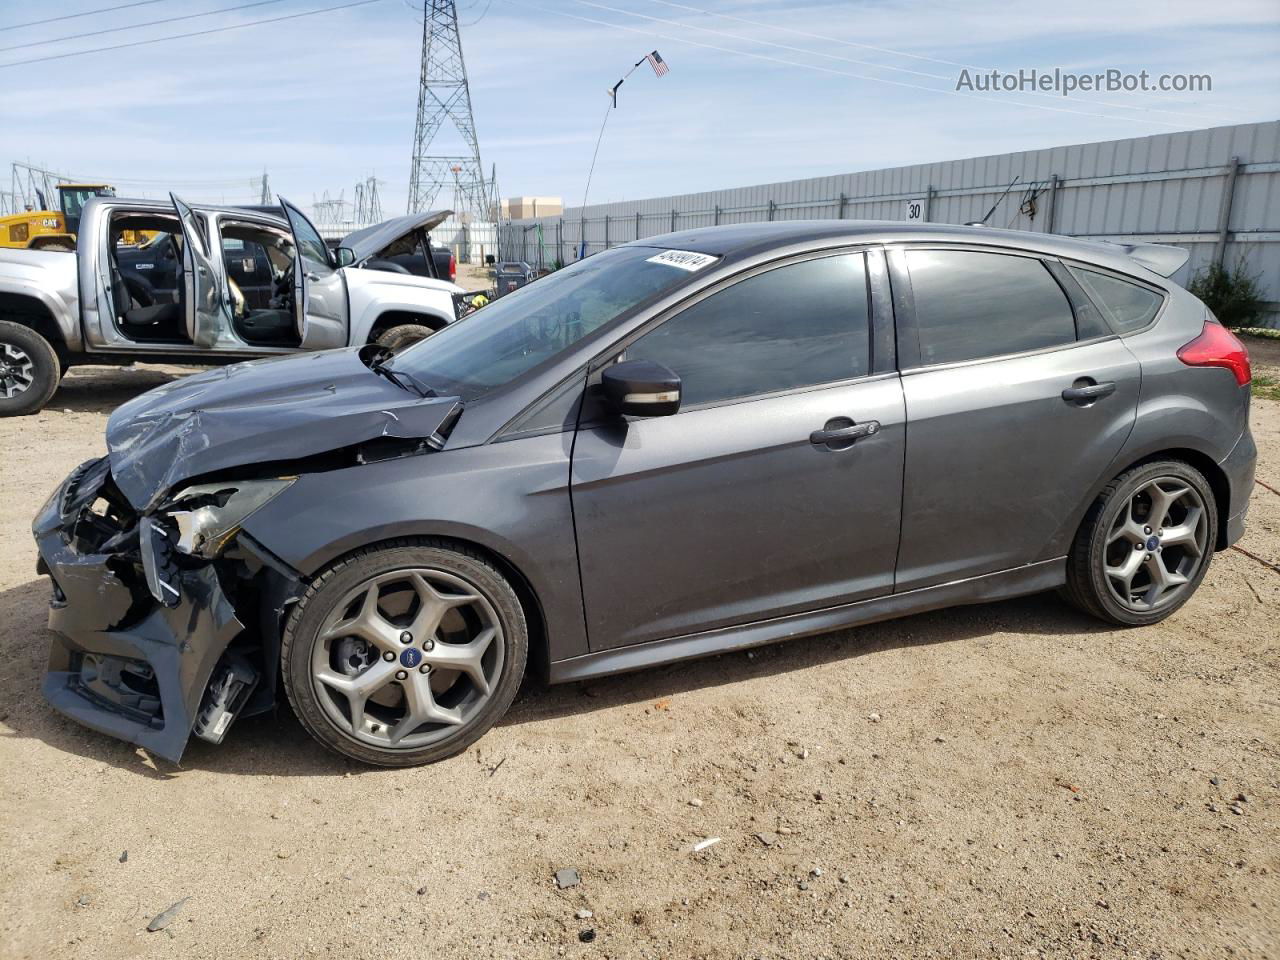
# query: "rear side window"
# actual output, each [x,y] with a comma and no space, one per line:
[794,326]
[973,305]
[1130,306]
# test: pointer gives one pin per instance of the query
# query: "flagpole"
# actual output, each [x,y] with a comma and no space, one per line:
[613,104]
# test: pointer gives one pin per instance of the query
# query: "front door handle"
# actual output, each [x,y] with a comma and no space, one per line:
[841,433]
[1086,391]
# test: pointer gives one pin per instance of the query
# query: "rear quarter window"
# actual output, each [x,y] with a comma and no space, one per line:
[1129,306]
[971,305]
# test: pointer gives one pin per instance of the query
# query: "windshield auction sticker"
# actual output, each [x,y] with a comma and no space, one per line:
[683,259]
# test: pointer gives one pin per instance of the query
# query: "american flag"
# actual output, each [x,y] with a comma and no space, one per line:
[659,65]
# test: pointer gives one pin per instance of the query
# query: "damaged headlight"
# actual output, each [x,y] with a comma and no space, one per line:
[208,515]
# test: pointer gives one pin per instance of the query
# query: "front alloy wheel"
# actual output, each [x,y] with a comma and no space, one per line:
[29,370]
[17,371]
[405,654]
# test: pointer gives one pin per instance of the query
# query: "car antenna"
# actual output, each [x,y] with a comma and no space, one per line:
[999,199]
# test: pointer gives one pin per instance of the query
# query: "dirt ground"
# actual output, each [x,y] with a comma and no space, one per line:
[1007,780]
[473,276]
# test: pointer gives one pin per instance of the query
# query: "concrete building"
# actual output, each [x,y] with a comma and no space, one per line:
[531,208]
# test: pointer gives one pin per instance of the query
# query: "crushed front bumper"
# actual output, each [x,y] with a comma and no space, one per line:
[121,662]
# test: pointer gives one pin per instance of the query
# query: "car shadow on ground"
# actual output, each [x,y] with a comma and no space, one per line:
[275,744]
[102,389]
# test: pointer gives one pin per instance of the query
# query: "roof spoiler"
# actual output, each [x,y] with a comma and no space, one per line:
[1156,257]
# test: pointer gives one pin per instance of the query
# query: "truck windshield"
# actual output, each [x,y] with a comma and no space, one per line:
[535,323]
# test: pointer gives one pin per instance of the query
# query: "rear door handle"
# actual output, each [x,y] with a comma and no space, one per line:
[1086,391]
[830,434]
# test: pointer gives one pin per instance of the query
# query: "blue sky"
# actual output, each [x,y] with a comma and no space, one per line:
[321,102]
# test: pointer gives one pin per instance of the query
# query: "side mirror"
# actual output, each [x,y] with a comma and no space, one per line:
[641,388]
[344,256]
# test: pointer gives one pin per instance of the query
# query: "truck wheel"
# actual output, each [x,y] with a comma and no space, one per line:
[404,336]
[29,370]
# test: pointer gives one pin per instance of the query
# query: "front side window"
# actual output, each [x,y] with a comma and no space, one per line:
[310,245]
[1129,305]
[537,322]
[973,305]
[794,326]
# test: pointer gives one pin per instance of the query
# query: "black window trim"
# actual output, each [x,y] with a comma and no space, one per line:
[908,331]
[879,316]
[1162,293]
[1075,292]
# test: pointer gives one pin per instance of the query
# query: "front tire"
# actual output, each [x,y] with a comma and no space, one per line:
[404,654]
[405,335]
[1144,545]
[29,370]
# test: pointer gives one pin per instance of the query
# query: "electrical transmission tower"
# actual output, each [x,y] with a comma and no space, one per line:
[444,95]
[265,196]
[368,203]
[33,187]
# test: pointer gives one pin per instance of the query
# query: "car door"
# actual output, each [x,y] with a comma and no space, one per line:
[320,290]
[776,488]
[1017,399]
[203,280]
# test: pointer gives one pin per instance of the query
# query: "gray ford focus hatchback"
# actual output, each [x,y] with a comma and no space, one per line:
[686,445]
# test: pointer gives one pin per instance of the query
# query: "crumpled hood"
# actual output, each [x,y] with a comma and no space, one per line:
[263,410]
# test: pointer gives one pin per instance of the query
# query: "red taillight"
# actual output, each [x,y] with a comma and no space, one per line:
[1218,347]
[453,267]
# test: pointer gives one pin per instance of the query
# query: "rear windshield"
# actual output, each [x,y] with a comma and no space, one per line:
[536,323]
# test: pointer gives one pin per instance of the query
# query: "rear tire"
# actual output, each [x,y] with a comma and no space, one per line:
[1144,545]
[404,654]
[29,370]
[404,336]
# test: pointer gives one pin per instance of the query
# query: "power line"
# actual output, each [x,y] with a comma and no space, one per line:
[195,33]
[865,63]
[472,23]
[86,13]
[838,73]
[138,26]
[847,43]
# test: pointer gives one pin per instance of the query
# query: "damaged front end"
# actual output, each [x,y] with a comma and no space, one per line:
[168,614]
[158,618]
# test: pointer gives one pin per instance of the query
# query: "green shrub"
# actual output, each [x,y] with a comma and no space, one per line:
[1234,295]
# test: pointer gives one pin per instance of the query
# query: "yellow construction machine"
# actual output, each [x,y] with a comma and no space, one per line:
[56,229]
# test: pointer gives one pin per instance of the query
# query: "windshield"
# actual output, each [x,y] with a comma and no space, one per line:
[512,335]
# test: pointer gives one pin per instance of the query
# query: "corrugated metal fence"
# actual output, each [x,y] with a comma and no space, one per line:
[1215,192]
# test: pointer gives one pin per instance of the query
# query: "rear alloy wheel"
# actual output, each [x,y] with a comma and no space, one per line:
[1145,545]
[29,370]
[405,654]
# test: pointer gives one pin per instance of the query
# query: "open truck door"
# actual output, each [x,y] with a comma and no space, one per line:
[203,280]
[320,290]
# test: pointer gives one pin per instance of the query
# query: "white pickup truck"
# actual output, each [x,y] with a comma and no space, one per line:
[212,285]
